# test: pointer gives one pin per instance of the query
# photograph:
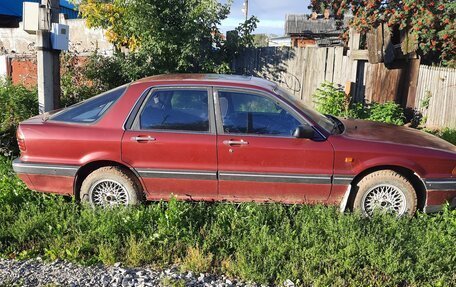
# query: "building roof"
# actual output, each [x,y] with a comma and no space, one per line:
[303,25]
[11,11]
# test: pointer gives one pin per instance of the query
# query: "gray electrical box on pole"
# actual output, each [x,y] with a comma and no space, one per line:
[48,59]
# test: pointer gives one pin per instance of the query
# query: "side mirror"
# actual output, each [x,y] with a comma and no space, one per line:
[304,132]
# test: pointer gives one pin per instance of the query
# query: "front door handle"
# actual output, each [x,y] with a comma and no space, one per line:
[233,142]
[143,139]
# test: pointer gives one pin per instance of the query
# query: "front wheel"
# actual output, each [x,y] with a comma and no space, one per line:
[385,191]
[109,186]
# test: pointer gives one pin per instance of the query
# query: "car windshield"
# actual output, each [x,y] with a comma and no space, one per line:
[328,123]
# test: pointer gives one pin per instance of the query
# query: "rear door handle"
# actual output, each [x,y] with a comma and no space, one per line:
[143,139]
[233,142]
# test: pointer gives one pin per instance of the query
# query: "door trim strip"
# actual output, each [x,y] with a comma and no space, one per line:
[245,176]
[71,170]
[286,178]
[180,174]
[342,180]
[440,183]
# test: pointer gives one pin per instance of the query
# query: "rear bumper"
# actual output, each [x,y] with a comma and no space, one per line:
[440,192]
[44,168]
[45,177]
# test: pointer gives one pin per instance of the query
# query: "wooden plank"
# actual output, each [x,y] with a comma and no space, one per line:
[354,39]
[383,83]
[452,106]
[436,99]
[311,72]
[359,55]
[374,39]
[353,71]
[433,77]
[304,75]
[307,74]
[322,58]
[346,70]
[329,73]
[368,91]
[338,58]
[414,68]
[347,88]
[388,48]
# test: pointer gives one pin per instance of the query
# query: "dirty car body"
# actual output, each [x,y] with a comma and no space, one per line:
[234,138]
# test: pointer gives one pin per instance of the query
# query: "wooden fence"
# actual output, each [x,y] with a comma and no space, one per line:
[302,70]
[436,96]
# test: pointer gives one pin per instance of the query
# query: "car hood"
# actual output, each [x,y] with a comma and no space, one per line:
[381,132]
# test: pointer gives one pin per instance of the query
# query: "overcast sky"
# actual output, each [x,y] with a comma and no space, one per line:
[271,14]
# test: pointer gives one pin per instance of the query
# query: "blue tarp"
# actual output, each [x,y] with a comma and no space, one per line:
[14,8]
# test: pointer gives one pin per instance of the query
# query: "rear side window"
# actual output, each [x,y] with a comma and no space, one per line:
[90,110]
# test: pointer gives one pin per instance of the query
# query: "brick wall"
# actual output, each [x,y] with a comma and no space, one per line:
[302,42]
[23,71]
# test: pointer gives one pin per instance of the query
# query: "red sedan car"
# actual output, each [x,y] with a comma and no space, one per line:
[235,138]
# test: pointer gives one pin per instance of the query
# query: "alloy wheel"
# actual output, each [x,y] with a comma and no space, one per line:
[384,198]
[108,192]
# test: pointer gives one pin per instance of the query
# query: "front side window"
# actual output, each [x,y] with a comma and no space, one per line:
[321,120]
[90,110]
[248,113]
[179,109]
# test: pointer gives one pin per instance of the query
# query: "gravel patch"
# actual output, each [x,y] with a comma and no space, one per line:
[36,272]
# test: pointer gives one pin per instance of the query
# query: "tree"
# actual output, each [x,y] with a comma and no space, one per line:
[164,36]
[430,24]
[260,40]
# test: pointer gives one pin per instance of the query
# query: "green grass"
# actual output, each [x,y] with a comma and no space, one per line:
[268,243]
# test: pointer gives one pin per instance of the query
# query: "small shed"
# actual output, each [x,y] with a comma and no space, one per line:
[283,41]
[314,30]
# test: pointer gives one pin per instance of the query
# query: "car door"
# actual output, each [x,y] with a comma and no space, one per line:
[259,159]
[171,143]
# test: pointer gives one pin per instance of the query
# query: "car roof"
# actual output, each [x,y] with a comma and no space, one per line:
[211,79]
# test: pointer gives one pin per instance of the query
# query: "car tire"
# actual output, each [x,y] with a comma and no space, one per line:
[110,186]
[385,191]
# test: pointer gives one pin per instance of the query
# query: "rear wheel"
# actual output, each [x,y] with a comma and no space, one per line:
[110,186]
[385,191]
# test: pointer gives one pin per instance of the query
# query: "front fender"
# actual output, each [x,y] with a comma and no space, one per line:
[389,161]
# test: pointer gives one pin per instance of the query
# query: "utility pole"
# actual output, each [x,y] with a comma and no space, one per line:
[245,9]
[48,59]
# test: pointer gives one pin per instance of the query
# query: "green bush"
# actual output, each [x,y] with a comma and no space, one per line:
[389,112]
[75,84]
[332,100]
[114,71]
[17,103]
[268,243]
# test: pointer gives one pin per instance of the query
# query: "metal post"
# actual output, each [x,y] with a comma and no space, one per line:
[48,60]
[246,9]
